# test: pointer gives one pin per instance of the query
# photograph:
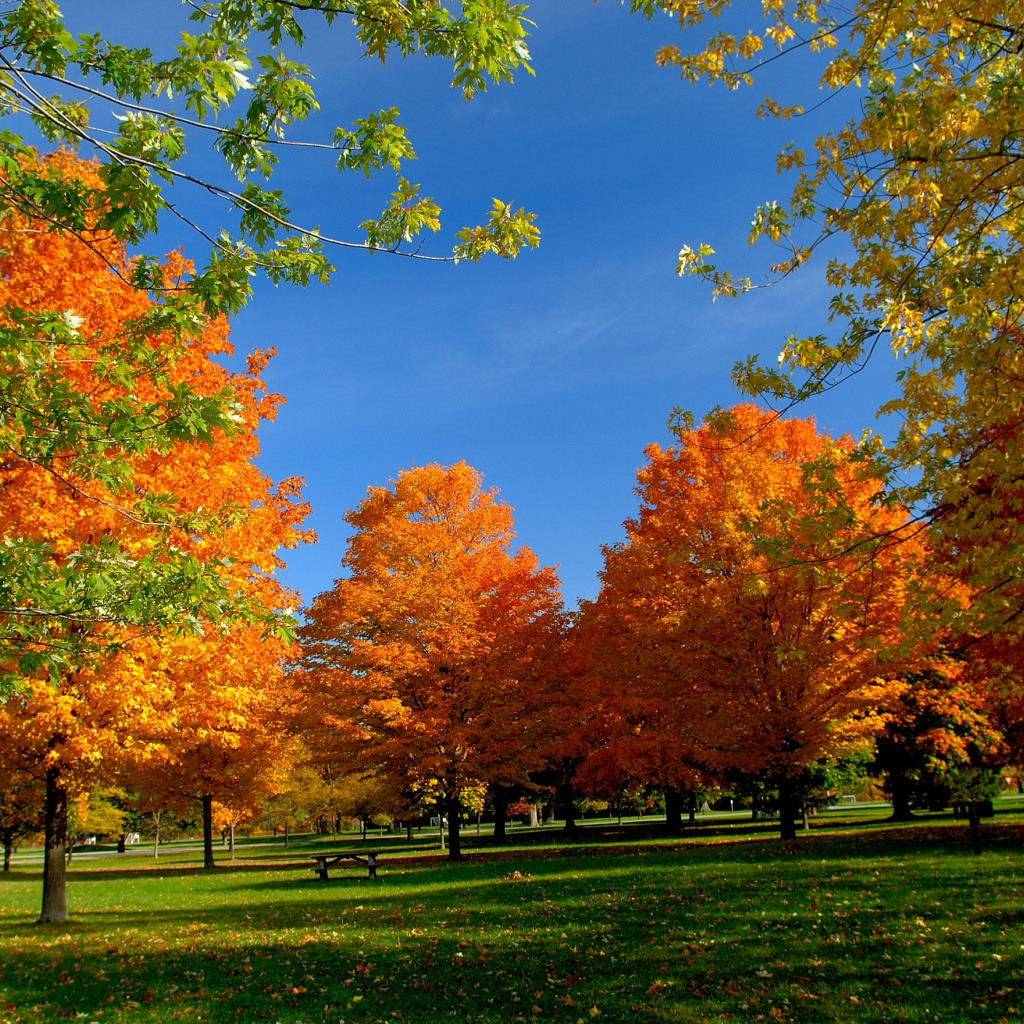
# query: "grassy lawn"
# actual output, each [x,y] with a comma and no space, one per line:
[854,921]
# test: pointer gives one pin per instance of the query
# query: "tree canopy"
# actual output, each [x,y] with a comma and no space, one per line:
[431,661]
[233,79]
[734,636]
[102,400]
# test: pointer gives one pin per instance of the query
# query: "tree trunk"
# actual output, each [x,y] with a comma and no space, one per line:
[208,831]
[408,831]
[286,832]
[534,817]
[156,833]
[787,808]
[454,833]
[232,835]
[564,798]
[502,798]
[975,822]
[122,842]
[55,905]
[900,787]
[8,850]
[691,807]
[673,809]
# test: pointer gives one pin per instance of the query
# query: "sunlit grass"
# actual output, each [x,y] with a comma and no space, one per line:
[859,922]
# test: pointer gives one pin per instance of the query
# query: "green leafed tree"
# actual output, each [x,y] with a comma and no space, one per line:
[233,80]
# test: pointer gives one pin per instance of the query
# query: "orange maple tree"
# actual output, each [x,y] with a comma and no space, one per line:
[426,662]
[222,740]
[750,622]
[201,496]
[96,378]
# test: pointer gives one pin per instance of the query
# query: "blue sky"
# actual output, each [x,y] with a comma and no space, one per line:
[552,373]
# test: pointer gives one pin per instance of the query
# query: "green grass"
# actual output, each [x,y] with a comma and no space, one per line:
[855,921]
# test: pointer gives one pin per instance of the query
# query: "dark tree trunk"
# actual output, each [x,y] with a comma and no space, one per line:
[122,841]
[975,821]
[207,831]
[900,787]
[286,832]
[563,795]
[691,807]
[673,809]
[454,828]
[787,809]
[502,798]
[8,850]
[55,904]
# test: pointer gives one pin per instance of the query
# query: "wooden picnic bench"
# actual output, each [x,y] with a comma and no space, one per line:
[324,861]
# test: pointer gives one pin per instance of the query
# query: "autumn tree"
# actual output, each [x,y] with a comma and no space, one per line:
[221,744]
[426,661]
[921,187]
[178,534]
[21,807]
[939,728]
[738,637]
[97,531]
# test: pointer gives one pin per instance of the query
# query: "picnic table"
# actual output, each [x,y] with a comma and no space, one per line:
[324,861]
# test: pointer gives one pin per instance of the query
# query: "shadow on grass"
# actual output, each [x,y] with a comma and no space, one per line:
[749,841]
[693,933]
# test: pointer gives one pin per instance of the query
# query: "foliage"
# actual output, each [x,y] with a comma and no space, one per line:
[109,404]
[220,731]
[938,734]
[100,811]
[434,658]
[746,624]
[234,80]
[921,186]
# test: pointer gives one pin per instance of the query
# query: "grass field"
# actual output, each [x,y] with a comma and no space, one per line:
[854,921]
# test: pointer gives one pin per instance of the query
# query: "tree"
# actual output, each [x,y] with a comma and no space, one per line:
[939,727]
[98,399]
[426,662]
[755,642]
[94,562]
[221,741]
[922,188]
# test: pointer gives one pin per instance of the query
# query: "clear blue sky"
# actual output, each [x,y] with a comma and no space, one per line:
[552,373]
